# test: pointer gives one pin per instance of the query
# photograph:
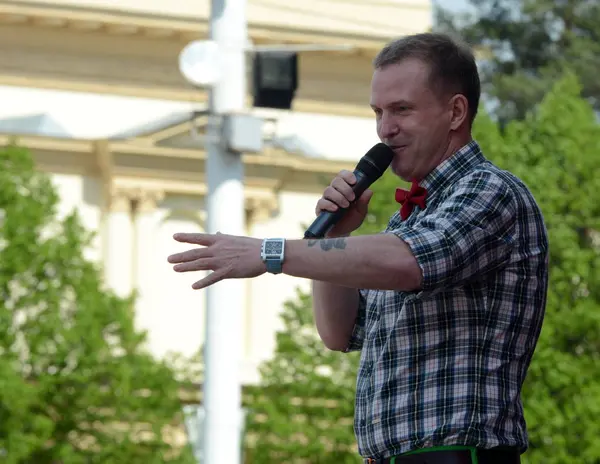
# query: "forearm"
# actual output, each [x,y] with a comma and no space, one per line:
[373,261]
[335,311]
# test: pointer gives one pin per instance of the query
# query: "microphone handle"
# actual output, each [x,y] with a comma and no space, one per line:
[327,219]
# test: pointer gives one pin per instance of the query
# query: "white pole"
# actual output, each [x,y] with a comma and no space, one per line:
[226,214]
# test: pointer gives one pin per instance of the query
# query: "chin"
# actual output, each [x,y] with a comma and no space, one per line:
[400,171]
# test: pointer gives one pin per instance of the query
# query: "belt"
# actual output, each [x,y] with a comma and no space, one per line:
[455,456]
[430,457]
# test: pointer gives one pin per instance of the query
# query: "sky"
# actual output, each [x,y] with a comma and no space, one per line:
[454,5]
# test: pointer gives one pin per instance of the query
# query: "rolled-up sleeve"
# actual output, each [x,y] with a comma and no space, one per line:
[358,333]
[471,233]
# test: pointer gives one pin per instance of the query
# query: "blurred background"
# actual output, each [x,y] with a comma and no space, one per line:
[103,158]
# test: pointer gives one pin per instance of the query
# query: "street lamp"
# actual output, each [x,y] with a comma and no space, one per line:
[219,65]
[199,63]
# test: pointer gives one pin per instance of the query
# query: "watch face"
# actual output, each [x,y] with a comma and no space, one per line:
[273,248]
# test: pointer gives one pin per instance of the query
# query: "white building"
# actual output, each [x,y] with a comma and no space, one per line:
[92,87]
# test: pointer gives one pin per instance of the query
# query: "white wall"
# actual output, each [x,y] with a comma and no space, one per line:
[176,320]
[84,195]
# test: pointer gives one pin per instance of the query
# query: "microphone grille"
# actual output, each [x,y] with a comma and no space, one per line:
[376,161]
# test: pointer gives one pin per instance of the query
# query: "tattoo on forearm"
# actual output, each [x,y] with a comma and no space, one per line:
[329,243]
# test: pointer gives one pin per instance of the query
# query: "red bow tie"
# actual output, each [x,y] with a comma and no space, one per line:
[408,198]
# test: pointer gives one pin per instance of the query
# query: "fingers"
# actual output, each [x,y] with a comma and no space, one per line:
[331,200]
[209,280]
[347,176]
[365,198]
[338,194]
[189,255]
[202,264]
[362,204]
[343,184]
[325,205]
[196,239]
[197,253]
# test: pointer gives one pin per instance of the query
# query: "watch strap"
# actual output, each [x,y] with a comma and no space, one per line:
[274,265]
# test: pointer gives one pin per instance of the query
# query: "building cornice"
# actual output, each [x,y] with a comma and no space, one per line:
[126,165]
[136,56]
[119,23]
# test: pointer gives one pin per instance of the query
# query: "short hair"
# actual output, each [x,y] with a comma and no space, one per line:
[452,66]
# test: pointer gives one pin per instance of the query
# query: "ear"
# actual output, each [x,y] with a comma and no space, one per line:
[459,108]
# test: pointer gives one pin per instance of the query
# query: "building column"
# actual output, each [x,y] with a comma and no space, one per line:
[119,244]
[146,261]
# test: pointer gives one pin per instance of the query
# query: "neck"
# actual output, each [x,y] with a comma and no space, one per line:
[454,144]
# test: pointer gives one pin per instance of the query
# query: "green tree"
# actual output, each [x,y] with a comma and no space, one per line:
[302,412]
[527,46]
[77,386]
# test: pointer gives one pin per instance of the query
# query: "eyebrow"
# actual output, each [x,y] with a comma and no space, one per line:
[401,103]
[395,103]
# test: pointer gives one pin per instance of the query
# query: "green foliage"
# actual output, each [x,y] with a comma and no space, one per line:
[555,150]
[528,44]
[76,385]
[303,410]
[383,203]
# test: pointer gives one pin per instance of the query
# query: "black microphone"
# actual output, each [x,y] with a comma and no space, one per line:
[370,168]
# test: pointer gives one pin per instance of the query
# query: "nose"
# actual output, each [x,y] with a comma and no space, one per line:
[388,128]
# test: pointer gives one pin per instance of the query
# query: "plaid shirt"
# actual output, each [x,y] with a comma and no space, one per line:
[445,365]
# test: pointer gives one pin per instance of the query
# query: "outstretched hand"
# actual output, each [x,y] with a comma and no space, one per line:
[227,256]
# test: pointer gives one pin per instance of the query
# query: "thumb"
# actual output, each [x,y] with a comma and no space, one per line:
[362,204]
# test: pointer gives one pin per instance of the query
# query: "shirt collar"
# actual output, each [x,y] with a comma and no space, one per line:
[454,167]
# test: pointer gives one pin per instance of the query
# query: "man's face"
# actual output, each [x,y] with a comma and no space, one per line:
[411,118]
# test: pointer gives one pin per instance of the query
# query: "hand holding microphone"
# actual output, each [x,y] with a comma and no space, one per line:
[339,196]
[344,204]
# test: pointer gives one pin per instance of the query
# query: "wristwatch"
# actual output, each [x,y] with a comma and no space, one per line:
[273,253]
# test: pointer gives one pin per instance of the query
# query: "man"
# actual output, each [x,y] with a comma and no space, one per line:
[452,295]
